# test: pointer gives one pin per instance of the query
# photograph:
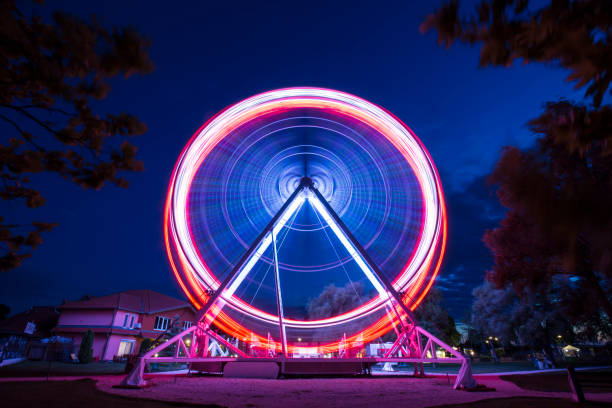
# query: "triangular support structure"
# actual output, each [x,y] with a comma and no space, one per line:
[414,344]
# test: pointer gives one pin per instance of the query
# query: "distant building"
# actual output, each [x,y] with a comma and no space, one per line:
[17,331]
[122,320]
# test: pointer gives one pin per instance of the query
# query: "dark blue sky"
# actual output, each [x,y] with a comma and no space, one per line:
[208,56]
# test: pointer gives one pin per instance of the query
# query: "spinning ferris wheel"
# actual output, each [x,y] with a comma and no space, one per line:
[305,221]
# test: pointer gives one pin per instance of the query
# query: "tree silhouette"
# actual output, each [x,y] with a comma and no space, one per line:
[572,34]
[433,317]
[51,73]
[4,312]
[558,196]
[558,193]
[334,300]
[86,348]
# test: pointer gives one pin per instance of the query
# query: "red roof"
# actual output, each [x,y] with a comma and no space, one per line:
[140,301]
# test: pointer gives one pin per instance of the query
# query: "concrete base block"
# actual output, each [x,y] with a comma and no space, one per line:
[248,369]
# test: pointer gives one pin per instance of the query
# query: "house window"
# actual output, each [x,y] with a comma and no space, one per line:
[125,347]
[128,321]
[161,323]
[187,324]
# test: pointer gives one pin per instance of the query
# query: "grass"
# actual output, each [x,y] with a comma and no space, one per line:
[483,368]
[81,393]
[56,368]
[477,368]
[527,402]
[592,381]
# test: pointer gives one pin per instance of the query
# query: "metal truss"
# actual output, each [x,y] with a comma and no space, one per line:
[200,343]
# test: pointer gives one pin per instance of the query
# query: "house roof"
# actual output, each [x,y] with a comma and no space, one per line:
[44,317]
[140,301]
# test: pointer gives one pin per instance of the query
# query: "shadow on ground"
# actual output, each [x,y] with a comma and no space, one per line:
[72,394]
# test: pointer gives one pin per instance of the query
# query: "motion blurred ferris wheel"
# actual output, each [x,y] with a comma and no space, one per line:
[305,221]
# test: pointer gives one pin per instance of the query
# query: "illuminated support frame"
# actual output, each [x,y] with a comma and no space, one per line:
[413,344]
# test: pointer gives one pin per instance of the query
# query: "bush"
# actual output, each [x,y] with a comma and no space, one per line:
[86,349]
[146,345]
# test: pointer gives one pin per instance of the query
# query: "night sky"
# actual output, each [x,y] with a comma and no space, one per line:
[209,56]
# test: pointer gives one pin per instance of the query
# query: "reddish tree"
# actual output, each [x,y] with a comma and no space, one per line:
[558,196]
[557,193]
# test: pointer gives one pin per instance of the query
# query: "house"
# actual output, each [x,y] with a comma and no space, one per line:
[122,320]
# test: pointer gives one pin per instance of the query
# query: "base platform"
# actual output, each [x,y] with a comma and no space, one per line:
[275,367]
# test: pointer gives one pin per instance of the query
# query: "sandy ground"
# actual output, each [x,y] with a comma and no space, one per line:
[336,392]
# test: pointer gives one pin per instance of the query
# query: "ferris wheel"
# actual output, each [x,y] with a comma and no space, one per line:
[285,178]
[305,222]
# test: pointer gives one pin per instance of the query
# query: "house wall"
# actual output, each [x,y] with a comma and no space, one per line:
[85,317]
[77,338]
[113,345]
[120,318]
[148,321]
[98,346]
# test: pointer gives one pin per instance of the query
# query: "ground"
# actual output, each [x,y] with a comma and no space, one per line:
[79,393]
[334,392]
[532,390]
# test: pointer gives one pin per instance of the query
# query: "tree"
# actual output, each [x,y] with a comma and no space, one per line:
[572,34]
[86,349]
[532,319]
[492,312]
[433,317]
[558,221]
[145,345]
[558,193]
[51,74]
[4,311]
[334,300]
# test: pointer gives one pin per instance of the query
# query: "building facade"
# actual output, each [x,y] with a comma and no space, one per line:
[122,320]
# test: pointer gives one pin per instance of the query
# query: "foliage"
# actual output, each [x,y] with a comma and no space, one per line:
[334,300]
[52,73]
[492,311]
[558,221]
[535,318]
[86,349]
[145,345]
[531,320]
[558,225]
[575,35]
[433,317]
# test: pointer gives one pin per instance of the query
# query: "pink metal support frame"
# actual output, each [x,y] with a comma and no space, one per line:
[408,347]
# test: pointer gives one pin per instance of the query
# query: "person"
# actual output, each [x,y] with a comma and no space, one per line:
[546,361]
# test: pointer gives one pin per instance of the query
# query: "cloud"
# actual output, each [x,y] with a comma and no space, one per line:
[470,213]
